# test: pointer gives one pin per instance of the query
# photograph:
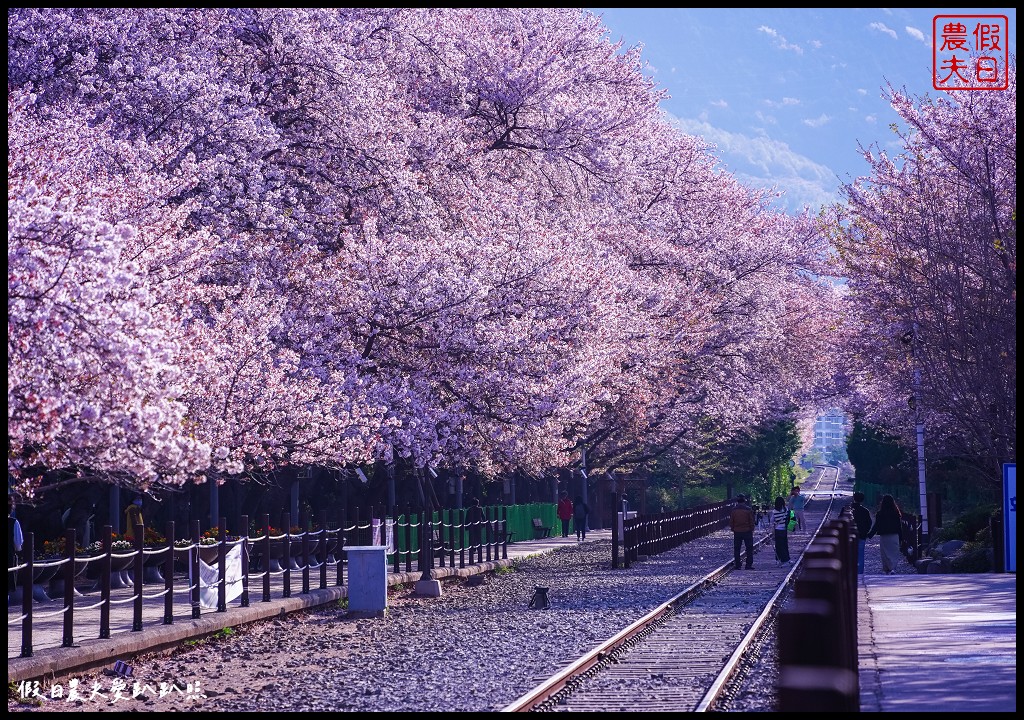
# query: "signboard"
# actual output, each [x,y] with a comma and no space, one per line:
[1010,516]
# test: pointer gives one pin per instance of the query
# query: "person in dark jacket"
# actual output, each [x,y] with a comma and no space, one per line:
[741,522]
[862,519]
[887,526]
[580,511]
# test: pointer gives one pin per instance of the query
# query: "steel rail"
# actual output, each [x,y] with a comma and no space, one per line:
[565,681]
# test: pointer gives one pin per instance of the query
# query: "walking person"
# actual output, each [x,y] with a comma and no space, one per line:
[580,511]
[887,526]
[741,522]
[764,513]
[779,521]
[565,512]
[15,540]
[797,503]
[862,519]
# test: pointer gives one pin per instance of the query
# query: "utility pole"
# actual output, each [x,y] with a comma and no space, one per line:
[919,420]
[583,484]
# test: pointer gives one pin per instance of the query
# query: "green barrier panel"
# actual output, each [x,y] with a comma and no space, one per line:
[519,519]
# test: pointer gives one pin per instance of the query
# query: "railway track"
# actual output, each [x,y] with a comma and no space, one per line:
[684,655]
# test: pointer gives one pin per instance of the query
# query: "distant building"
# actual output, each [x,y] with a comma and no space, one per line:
[830,429]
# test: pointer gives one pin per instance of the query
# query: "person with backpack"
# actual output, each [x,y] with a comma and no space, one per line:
[580,511]
[862,519]
[780,521]
[797,503]
[741,522]
[565,512]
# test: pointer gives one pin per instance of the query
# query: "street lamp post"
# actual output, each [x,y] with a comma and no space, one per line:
[919,420]
[922,488]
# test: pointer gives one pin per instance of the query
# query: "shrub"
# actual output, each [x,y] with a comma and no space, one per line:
[967,525]
[974,557]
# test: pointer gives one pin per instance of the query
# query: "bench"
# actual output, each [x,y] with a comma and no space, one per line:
[501,533]
[540,530]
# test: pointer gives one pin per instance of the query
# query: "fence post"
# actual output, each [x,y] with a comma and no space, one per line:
[451,536]
[627,543]
[222,560]
[244,538]
[68,639]
[340,557]
[287,555]
[995,526]
[29,548]
[817,633]
[813,675]
[504,540]
[169,575]
[266,557]
[488,537]
[408,538]
[395,528]
[616,512]
[461,514]
[322,547]
[137,565]
[305,555]
[105,585]
[193,562]
[440,538]
[421,540]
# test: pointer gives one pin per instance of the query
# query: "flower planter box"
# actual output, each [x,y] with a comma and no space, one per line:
[56,588]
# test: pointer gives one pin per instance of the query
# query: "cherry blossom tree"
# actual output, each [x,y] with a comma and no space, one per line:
[452,237]
[92,379]
[928,241]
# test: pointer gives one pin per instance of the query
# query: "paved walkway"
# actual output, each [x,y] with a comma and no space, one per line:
[938,643]
[927,642]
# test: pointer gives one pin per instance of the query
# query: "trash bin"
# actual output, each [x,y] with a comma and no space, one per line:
[367,579]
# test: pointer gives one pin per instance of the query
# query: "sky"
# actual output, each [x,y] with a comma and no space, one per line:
[784,94]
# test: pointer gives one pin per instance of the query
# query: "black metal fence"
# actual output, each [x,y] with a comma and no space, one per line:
[314,551]
[656,533]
